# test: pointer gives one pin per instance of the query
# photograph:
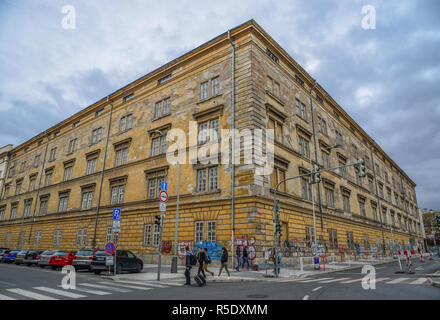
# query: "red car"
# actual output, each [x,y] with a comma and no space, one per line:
[61,258]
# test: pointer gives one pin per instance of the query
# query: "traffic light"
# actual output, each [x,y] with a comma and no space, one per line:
[158,220]
[361,167]
[315,177]
[278,229]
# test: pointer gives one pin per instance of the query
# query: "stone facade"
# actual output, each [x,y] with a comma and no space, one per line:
[268,83]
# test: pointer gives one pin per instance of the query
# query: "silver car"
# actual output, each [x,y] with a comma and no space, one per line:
[45,258]
[19,259]
[83,259]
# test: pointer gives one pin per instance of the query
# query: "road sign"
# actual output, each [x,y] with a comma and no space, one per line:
[116,214]
[109,247]
[109,261]
[164,185]
[163,206]
[116,225]
[163,196]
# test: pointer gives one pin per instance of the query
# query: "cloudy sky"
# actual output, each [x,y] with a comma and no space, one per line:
[387,79]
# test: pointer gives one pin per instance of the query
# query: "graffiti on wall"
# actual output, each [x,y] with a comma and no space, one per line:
[181,248]
[214,248]
[249,243]
[166,246]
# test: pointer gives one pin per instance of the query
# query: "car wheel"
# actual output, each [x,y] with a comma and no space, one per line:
[119,269]
[28,264]
[97,271]
[139,268]
[54,268]
[41,266]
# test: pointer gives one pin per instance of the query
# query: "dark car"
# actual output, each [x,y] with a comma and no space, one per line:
[32,257]
[19,259]
[83,259]
[125,261]
[11,256]
[45,258]
[4,252]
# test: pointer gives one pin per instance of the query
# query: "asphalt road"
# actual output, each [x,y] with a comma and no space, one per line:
[24,283]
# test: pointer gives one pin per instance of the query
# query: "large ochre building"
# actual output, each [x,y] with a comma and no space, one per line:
[62,184]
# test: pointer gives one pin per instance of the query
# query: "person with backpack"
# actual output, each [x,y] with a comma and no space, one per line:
[238,254]
[245,258]
[190,260]
[207,261]
[224,262]
[201,258]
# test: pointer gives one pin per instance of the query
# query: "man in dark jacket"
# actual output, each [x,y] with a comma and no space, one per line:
[245,258]
[201,257]
[188,266]
[237,254]
[224,261]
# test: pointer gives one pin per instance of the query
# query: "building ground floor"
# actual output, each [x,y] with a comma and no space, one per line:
[208,224]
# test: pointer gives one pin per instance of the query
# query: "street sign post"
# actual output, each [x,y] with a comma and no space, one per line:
[116,214]
[163,196]
[163,207]
[116,229]
[164,186]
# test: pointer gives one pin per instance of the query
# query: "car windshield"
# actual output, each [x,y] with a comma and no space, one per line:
[61,254]
[15,251]
[23,251]
[85,253]
[101,253]
[48,253]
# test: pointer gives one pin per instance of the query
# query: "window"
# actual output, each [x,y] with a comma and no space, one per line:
[322,126]
[12,169]
[164,79]
[310,236]
[62,204]
[298,79]
[304,146]
[306,189]
[81,236]
[159,145]
[155,186]
[18,187]
[76,124]
[301,109]
[374,210]
[121,157]
[86,202]
[377,170]
[271,55]
[96,135]
[126,123]
[346,201]
[199,231]
[277,127]
[162,108]
[23,166]
[37,161]
[48,177]
[354,151]
[6,192]
[2,212]
[333,238]
[393,220]
[342,170]
[339,139]
[72,145]
[204,90]
[67,173]
[211,234]
[91,166]
[57,234]
[43,205]
[278,174]
[329,197]
[8,238]
[27,208]
[128,97]
[108,236]
[370,185]
[53,154]
[215,83]
[325,159]
[32,183]
[117,192]
[362,207]
[37,239]
[381,190]
[56,134]
[147,235]
[156,235]
[273,87]
[350,240]
[207,179]
[14,210]
[99,112]
[384,215]
[205,128]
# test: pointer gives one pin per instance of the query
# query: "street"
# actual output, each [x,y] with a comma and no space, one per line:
[31,283]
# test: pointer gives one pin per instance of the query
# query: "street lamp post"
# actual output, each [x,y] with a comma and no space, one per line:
[174,259]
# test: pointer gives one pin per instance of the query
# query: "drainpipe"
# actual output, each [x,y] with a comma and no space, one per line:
[316,159]
[233,146]
[377,196]
[38,188]
[102,173]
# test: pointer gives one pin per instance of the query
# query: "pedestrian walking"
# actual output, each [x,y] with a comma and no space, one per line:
[207,261]
[201,260]
[224,262]
[189,262]
[238,254]
[245,258]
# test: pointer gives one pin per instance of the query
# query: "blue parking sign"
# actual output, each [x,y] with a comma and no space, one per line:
[116,214]
[164,186]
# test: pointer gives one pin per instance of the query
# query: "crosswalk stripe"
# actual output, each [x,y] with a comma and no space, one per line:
[126,286]
[170,284]
[333,280]
[155,285]
[382,279]
[312,280]
[397,280]
[104,287]
[97,292]
[31,294]
[64,293]
[419,281]
[3,297]
[352,280]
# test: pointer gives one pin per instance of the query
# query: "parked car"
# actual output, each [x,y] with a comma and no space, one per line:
[61,258]
[83,259]
[45,258]
[4,252]
[125,261]
[11,256]
[32,257]
[19,259]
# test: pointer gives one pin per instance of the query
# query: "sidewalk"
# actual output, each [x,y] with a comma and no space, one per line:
[149,273]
